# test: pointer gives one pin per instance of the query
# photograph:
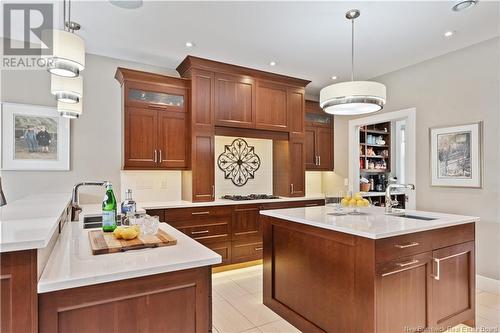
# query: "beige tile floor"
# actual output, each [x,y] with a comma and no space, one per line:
[237,306]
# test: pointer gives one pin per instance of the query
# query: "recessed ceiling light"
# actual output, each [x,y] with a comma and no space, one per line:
[334,77]
[127,4]
[272,63]
[449,33]
[189,44]
[464,4]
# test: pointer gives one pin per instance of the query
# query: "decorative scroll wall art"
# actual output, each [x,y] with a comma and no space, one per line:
[238,162]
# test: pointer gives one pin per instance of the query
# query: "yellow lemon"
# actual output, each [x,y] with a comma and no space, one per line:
[344,202]
[137,228]
[366,202]
[352,202]
[360,203]
[118,232]
[129,233]
[358,196]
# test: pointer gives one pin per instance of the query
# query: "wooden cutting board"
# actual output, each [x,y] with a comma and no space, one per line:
[104,242]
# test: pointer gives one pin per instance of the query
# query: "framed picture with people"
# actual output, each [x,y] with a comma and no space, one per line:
[34,138]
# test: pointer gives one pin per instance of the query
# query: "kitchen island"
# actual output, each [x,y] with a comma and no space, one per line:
[325,272]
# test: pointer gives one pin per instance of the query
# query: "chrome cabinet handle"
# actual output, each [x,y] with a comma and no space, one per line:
[311,205]
[200,213]
[316,160]
[160,155]
[404,246]
[199,232]
[319,159]
[291,188]
[438,262]
[156,156]
[258,249]
[408,263]
[213,191]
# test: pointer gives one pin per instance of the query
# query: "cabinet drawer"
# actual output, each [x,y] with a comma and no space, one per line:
[223,249]
[207,233]
[183,214]
[246,251]
[293,204]
[401,246]
[401,264]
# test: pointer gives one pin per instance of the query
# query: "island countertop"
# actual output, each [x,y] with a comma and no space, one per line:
[373,223]
[72,263]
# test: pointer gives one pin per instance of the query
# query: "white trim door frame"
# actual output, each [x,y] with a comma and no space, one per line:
[409,115]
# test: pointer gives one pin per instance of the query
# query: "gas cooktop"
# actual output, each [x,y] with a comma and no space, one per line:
[249,197]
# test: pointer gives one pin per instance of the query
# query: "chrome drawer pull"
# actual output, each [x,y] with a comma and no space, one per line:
[408,263]
[438,262]
[199,232]
[200,213]
[311,205]
[404,246]
[258,249]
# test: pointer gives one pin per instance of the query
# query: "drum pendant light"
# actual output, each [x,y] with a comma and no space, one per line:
[352,97]
[70,110]
[67,89]
[68,49]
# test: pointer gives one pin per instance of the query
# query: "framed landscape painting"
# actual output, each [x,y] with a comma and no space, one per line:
[34,138]
[456,154]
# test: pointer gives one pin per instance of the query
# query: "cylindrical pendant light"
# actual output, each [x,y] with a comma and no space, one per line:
[66,89]
[352,97]
[68,57]
[70,110]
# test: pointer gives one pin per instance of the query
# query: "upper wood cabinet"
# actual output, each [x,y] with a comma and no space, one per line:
[272,109]
[234,100]
[156,133]
[296,109]
[202,109]
[319,138]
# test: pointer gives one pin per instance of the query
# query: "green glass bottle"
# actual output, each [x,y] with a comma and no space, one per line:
[109,210]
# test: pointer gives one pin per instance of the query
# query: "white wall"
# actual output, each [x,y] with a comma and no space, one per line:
[95,137]
[152,186]
[263,181]
[457,88]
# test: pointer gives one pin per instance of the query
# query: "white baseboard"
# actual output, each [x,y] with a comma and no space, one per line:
[488,284]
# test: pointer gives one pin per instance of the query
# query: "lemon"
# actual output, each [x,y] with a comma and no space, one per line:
[366,202]
[137,228]
[118,232]
[344,202]
[129,233]
[353,202]
[360,203]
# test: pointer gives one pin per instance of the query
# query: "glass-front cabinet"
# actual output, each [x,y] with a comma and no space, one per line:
[153,97]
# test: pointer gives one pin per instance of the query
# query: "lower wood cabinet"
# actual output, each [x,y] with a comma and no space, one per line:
[18,292]
[169,302]
[233,231]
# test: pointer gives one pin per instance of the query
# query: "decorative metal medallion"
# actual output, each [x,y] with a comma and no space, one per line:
[239,162]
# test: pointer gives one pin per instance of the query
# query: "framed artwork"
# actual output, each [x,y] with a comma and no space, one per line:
[456,156]
[34,138]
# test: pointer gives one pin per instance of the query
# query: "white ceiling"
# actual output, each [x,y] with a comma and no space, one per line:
[310,40]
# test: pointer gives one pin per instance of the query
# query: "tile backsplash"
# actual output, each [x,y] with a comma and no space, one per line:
[150,186]
[263,176]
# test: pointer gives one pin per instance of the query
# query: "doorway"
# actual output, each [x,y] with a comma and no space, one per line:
[403,148]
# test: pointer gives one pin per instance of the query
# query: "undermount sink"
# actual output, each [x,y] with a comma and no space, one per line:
[90,222]
[416,217]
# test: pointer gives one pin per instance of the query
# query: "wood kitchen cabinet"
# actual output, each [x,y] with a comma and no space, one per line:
[234,100]
[156,133]
[319,138]
[246,234]
[272,110]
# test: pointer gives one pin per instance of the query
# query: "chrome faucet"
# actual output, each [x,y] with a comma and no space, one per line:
[389,203]
[75,206]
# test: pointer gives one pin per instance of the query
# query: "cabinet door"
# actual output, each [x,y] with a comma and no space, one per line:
[202,103]
[203,173]
[172,140]
[403,291]
[311,150]
[272,111]
[453,285]
[296,110]
[324,145]
[297,168]
[140,138]
[246,225]
[234,100]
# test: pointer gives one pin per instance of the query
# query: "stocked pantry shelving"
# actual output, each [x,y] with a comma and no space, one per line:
[375,148]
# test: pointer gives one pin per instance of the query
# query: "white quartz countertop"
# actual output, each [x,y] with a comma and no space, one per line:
[374,223]
[221,202]
[72,263]
[29,223]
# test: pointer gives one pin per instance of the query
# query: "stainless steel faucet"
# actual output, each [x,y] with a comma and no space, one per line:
[3,201]
[75,206]
[389,203]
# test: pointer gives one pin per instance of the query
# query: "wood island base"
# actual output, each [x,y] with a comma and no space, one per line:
[170,302]
[322,280]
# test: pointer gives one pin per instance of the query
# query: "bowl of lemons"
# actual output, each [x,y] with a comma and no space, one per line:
[355,204]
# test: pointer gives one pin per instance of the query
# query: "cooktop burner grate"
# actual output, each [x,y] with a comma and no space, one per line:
[249,197]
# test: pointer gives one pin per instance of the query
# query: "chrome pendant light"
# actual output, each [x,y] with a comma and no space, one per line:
[68,54]
[353,97]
